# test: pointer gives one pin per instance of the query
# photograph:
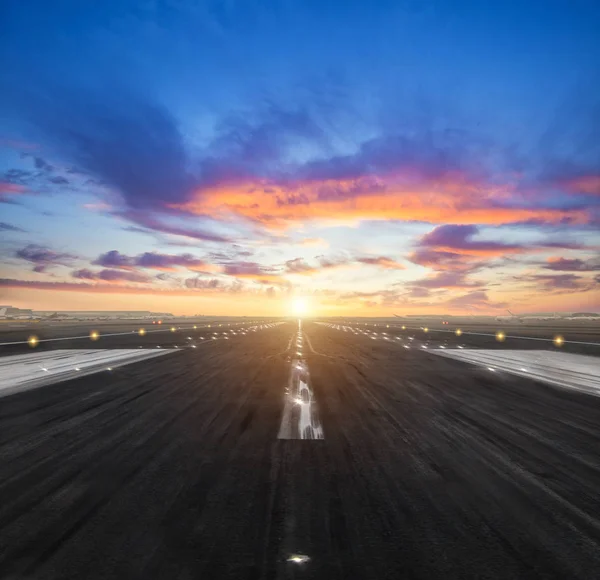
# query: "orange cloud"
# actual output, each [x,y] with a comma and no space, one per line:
[382,262]
[450,200]
[10,188]
[589,184]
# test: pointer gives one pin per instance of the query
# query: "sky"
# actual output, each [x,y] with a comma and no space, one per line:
[226,157]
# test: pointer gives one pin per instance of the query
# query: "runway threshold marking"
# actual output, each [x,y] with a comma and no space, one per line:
[573,371]
[301,418]
[32,370]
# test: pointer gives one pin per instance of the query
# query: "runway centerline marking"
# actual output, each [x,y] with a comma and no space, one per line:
[301,418]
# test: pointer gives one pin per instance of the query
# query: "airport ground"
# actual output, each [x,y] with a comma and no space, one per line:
[172,467]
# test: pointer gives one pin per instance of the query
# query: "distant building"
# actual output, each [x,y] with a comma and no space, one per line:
[100,314]
[10,312]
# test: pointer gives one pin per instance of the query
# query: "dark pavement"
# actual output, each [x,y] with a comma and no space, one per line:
[171,468]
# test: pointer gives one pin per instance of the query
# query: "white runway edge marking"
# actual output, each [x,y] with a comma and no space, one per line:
[301,419]
[27,371]
[573,371]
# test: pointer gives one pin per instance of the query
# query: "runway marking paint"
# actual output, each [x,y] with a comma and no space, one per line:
[300,419]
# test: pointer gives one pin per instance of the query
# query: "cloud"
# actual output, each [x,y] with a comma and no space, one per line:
[44,257]
[459,239]
[559,283]
[248,167]
[9,190]
[4,227]
[444,279]
[215,284]
[454,247]
[314,243]
[572,265]
[97,288]
[451,198]
[585,184]
[110,275]
[477,300]
[254,271]
[114,259]
[151,260]
[382,262]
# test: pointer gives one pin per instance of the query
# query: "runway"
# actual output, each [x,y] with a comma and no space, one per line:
[173,467]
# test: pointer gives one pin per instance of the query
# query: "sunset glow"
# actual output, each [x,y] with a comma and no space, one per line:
[462,182]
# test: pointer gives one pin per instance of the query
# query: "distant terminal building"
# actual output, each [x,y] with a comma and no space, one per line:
[11,313]
[100,314]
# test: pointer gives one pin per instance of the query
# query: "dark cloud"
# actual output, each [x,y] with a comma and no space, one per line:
[572,265]
[478,300]
[150,260]
[44,257]
[157,261]
[426,154]
[444,279]
[298,266]
[559,281]
[42,165]
[382,262]
[460,237]
[4,227]
[252,270]
[114,259]
[110,275]
[203,283]
[149,221]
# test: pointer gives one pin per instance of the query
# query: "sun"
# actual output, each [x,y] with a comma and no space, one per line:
[300,306]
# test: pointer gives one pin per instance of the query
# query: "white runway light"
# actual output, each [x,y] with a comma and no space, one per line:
[26,371]
[574,371]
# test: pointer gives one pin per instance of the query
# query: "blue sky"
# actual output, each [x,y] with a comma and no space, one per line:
[297,147]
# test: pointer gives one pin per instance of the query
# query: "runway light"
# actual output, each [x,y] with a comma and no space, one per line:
[195,327]
[142,331]
[426,329]
[109,369]
[298,559]
[524,370]
[403,327]
[458,332]
[500,336]
[559,340]
[33,341]
[77,369]
[173,329]
[94,335]
[491,369]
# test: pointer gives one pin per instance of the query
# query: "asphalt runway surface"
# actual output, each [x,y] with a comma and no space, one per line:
[172,467]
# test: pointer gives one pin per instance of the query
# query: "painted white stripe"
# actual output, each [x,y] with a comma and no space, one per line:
[27,371]
[300,419]
[574,371]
